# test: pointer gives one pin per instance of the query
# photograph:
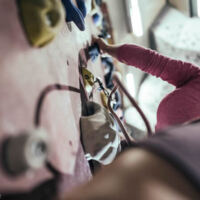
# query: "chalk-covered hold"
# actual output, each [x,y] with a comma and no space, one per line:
[99,136]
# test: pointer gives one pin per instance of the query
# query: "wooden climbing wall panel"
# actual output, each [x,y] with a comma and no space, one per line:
[24,73]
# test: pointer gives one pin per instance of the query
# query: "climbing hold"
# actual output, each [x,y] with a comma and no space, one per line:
[42,20]
[74,14]
[96,18]
[82,7]
[104,34]
[93,51]
[109,68]
[88,79]
[25,151]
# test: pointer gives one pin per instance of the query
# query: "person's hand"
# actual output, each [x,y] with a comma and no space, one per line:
[101,43]
[106,48]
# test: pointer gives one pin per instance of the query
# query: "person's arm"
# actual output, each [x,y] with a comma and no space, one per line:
[176,72]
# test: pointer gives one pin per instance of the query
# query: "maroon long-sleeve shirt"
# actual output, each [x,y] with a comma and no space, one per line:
[183,104]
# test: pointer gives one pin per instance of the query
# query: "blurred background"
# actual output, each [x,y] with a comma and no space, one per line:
[170,27]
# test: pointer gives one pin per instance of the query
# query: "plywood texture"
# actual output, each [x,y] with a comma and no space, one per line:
[24,73]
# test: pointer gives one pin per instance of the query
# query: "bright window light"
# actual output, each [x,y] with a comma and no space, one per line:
[198,8]
[130,82]
[135,16]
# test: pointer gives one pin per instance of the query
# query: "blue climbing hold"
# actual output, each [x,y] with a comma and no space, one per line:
[82,7]
[94,51]
[96,18]
[73,14]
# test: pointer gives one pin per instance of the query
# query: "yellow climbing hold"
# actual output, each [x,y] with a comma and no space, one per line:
[42,20]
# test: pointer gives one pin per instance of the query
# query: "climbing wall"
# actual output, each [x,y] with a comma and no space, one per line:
[25,72]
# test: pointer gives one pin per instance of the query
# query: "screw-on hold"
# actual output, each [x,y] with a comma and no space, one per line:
[25,151]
